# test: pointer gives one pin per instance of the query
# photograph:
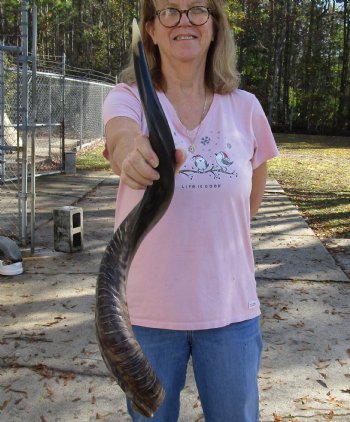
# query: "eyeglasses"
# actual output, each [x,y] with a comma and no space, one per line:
[170,17]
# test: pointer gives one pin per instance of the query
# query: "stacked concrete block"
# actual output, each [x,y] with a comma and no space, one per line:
[68,229]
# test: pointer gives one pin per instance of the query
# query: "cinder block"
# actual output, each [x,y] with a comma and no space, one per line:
[68,229]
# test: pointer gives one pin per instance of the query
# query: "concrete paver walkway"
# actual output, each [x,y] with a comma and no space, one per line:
[50,366]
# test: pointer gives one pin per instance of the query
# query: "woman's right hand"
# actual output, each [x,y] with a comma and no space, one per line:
[130,153]
[138,167]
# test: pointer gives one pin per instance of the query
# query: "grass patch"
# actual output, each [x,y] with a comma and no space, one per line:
[91,158]
[315,173]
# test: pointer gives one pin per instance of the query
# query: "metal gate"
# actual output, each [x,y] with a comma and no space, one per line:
[14,137]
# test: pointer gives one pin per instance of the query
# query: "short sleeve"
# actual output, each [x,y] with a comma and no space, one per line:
[264,143]
[122,101]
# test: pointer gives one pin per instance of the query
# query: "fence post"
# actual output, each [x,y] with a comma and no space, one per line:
[101,120]
[50,116]
[2,118]
[33,123]
[81,113]
[24,56]
[63,108]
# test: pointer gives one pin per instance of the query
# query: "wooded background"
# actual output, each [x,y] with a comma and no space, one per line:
[293,54]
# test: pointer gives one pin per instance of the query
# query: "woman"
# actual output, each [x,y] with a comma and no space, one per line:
[191,287]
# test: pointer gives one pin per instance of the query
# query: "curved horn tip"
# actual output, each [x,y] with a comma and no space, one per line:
[136,34]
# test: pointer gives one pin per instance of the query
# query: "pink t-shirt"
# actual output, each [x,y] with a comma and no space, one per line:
[195,269]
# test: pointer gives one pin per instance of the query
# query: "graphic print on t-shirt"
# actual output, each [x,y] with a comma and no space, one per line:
[214,160]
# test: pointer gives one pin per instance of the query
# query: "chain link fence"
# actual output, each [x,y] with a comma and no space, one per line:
[68,116]
[44,114]
[83,110]
[10,144]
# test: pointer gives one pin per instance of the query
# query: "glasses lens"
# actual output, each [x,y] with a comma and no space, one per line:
[169,17]
[198,15]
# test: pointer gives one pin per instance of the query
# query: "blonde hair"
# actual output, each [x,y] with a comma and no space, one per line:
[221,75]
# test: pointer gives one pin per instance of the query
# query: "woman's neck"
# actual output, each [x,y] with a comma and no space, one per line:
[186,81]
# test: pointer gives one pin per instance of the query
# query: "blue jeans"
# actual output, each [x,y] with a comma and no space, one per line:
[225,363]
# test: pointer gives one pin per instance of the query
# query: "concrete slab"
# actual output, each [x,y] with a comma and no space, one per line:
[340,249]
[285,257]
[285,247]
[305,367]
[59,190]
[51,369]
[278,215]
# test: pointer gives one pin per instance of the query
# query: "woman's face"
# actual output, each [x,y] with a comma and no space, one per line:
[184,42]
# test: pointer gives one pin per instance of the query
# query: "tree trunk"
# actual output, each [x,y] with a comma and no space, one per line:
[343,121]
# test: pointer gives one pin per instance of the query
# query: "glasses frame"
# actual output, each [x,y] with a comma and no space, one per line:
[183,12]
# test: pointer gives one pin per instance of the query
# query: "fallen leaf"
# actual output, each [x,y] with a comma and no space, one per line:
[330,415]
[49,392]
[5,403]
[346,391]
[322,364]
[303,400]
[101,417]
[278,317]
[92,365]
[43,370]
[76,399]
[322,401]
[67,376]
[197,403]
[277,418]
[49,324]
[68,306]
[322,383]
[307,407]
